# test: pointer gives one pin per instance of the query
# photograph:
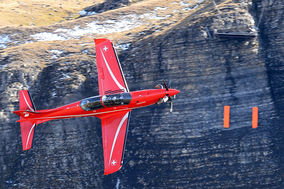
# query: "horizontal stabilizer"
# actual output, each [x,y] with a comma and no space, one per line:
[27,131]
[26,112]
[26,102]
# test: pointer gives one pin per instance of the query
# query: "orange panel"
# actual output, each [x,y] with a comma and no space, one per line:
[226,116]
[254,117]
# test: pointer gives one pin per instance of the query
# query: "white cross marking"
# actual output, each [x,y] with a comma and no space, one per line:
[113,162]
[105,48]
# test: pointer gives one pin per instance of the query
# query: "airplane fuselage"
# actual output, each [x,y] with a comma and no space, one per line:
[100,106]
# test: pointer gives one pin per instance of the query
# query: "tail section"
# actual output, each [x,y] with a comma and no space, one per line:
[27,109]
[26,102]
[27,132]
[25,115]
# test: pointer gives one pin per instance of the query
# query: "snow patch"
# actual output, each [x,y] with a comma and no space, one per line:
[55,53]
[45,36]
[121,24]
[160,8]
[124,46]
[191,8]
[3,40]
[110,26]
[83,13]
[86,13]
[183,3]
[156,17]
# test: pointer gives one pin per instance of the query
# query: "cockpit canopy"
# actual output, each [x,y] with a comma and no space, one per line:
[97,102]
[92,103]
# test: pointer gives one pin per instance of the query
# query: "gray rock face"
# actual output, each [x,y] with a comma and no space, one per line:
[188,148]
[107,5]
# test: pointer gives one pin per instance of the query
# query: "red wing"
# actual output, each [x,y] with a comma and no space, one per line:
[110,75]
[114,131]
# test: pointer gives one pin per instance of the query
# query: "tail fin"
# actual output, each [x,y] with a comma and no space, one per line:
[27,125]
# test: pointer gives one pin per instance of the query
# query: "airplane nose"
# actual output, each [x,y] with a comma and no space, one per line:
[172,92]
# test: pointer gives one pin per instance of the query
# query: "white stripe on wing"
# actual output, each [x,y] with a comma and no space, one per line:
[116,134]
[111,74]
[27,102]
[27,142]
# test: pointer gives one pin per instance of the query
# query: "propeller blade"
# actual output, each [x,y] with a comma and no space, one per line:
[171,103]
[165,85]
[169,83]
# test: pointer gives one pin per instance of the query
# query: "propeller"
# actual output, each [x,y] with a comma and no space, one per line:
[171,103]
[172,106]
[165,85]
[168,98]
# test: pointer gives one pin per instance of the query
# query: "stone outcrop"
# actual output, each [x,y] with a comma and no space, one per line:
[107,5]
[188,148]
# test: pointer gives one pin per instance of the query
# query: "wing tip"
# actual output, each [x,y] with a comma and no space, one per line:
[26,148]
[100,40]
[110,171]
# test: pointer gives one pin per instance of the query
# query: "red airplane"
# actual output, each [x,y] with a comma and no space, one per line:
[112,106]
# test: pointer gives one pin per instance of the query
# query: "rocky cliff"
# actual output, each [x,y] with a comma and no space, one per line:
[156,41]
